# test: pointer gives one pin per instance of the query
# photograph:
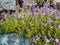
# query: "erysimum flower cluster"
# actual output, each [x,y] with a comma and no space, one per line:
[41,25]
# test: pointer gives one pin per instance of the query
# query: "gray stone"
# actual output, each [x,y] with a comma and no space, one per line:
[58,5]
[14,39]
[7,4]
[30,2]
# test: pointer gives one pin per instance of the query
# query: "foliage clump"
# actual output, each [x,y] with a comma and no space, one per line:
[42,25]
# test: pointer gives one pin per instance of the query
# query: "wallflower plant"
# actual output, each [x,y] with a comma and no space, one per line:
[39,25]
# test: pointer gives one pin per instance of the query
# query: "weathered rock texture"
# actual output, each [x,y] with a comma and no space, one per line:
[14,39]
[7,4]
[30,2]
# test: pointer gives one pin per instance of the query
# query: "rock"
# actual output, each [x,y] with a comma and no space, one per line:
[30,2]
[58,5]
[14,39]
[55,1]
[7,4]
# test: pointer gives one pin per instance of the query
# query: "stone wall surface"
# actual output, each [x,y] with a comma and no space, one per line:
[7,4]
[30,2]
[10,4]
[14,39]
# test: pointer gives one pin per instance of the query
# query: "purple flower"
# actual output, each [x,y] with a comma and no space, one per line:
[44,10]
[27,31]
[52,12]
[38,8]
[43,13]
[51,9]
[21,16]
[41,8]
[47,40]
[46,4]
[17,6]
[48,10]
[59,26]
[51,26]
[52,39]
[56,40]
[24,4]
[33,7]
[31,14]
[51,20]
[58,43]
[37,38]
[44,24]
[29,8]
[35,13]
[58,13]
[33,43]
[5,16]
[14,13]
[57,17]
